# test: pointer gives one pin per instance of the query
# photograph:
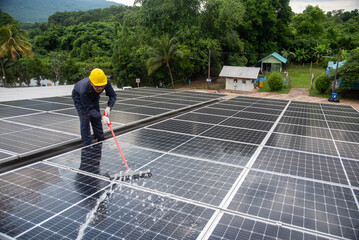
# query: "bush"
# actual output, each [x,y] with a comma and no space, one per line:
[275,81]
[322,83]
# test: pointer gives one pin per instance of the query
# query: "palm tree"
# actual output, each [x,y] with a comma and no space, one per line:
[13,41]
[163,51]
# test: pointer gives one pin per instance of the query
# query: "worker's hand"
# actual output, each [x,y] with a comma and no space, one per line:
[107,111]
[105,120]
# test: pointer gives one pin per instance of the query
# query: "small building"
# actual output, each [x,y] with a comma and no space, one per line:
[239,78]
[272,63]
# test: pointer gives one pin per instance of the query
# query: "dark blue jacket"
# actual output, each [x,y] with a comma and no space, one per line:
[86,99]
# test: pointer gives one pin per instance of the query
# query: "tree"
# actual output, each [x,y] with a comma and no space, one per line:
[302,55]
[320,51]
[349,72]
[13,42]
[163,51]
[57,63]
[265,27]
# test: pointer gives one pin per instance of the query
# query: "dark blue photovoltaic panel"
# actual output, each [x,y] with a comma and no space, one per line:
[188,178]
[235,134]
[37,105]
[304,121]
[4,156]
[217,150]
[346,136]
[182,126]
[256,116]
[154,139]
[301,164]
[235,227]
[307,144]
[304,115]
[243,168]
[301,203]
[348,150]
[343,119]
[246,123]
[34,195]
[303,131]
[352,169]
[216,111]
[201,117]
[344,126]
[10,111]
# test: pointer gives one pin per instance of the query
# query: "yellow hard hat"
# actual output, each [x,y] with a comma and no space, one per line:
[98,77]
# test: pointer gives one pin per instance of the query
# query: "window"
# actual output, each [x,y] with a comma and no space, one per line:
[243,81]
[235,80]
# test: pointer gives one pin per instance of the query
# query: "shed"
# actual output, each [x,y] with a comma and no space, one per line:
[272,63]
[239,78]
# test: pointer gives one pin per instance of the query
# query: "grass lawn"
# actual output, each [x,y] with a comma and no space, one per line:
[301,78]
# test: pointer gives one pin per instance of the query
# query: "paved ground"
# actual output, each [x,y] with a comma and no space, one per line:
[296,94]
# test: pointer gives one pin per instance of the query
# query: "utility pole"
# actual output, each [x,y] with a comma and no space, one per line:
[336,72]
[209,67]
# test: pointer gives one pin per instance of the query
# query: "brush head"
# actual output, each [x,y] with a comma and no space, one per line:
[129,175]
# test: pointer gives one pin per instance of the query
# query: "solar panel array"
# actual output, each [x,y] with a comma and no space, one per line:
[244,168]
[33,125]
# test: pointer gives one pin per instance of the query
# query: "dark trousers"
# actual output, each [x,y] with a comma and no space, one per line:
[86,131]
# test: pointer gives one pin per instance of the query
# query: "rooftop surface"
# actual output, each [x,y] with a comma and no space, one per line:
[241,168]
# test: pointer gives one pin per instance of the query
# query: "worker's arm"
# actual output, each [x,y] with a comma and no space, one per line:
[78,105]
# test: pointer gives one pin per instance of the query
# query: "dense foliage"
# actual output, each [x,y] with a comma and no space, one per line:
[119,39]
[275,81]
[322,83]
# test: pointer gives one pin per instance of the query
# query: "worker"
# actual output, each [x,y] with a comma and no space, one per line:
[86,97]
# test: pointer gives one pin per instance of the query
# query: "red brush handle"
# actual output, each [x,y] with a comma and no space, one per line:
[118,145]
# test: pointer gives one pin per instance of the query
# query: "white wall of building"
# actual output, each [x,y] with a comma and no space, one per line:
[239,84]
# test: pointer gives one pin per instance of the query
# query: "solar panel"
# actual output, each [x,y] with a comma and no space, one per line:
[263,175]
[348,150]
[352,168]
[10,111]
[342,114]
[37,105]
[303,131]
[342,119]
[258,109]
[307,144]
[345,135]
[167,105]
[256,116]
[308,165]
[316,206]
[227,106]
[182,126]
[343,126]
[246,123]
[66,197]
[217,150]
[202,118]
[154,139]
[304,121]
[236,134]
[238,227]
[304,115]
[216,111]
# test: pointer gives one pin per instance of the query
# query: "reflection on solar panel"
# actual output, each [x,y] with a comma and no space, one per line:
[218,173]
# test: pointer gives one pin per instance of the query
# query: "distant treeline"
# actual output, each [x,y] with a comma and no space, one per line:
[239,33]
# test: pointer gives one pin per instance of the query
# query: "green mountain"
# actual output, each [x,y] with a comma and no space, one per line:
[40,10]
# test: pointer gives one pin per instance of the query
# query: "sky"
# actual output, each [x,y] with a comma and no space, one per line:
[298,6]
